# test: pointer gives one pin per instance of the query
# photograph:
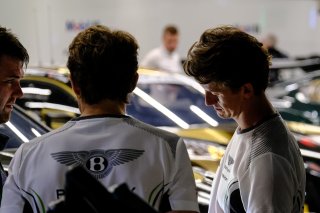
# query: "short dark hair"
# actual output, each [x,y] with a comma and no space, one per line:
[11,46]
[230,56]
[171,29]
[103,63]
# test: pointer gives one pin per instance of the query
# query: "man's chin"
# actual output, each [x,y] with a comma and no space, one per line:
[4,118]
[223,116]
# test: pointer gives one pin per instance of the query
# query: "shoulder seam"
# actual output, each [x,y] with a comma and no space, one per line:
[172,146]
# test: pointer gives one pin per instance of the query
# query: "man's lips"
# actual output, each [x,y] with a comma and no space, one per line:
[218,108]
[9,106]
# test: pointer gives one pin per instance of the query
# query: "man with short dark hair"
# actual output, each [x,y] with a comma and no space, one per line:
[165,57]
[110,145]
[13,56]
[262,169]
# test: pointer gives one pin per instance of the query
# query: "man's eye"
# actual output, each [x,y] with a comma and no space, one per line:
[9,81]
[215,93]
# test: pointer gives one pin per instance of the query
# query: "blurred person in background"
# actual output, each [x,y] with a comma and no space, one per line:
[262,169]
[13,57]
[111,146]
[270,43]
[165,57]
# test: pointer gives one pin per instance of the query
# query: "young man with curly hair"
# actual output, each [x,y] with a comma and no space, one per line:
[262,169]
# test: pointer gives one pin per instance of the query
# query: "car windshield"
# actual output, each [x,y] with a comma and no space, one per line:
[21,128]
[171,105]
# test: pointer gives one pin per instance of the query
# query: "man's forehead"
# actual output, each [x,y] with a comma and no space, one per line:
[10,66]
[216,86]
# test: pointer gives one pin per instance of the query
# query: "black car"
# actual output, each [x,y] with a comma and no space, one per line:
[21,128]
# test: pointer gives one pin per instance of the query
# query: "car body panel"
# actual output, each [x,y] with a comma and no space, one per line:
[222,137]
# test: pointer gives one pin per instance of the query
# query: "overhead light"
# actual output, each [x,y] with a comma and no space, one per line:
[36,91]
[17,132]
[41,105]
[161,108]
[35,132]
[203,115]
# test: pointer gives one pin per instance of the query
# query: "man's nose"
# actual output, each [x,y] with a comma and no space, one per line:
[18,91]
[210,99]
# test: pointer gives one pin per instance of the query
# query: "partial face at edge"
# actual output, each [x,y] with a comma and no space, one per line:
[11,72]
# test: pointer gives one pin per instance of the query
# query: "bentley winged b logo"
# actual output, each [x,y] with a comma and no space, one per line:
[97,162]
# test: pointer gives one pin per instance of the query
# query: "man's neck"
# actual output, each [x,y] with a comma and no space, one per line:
[255,112]
[104,107]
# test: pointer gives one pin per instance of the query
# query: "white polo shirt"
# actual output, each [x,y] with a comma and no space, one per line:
[115,150]
[262,171]
[160,59]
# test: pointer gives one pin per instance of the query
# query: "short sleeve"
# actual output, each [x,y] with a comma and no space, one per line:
[182,195]
[268,185]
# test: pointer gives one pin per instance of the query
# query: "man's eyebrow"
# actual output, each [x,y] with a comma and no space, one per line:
[13,77]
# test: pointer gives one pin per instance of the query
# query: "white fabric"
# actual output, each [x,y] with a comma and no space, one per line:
[160,59]
[115,150]
[265,167]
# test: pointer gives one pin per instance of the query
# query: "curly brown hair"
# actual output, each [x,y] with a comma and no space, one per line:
[103,63]
[229,56]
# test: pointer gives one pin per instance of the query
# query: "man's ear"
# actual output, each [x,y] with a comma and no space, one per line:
[134,82]
[75,87]
[247,90]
